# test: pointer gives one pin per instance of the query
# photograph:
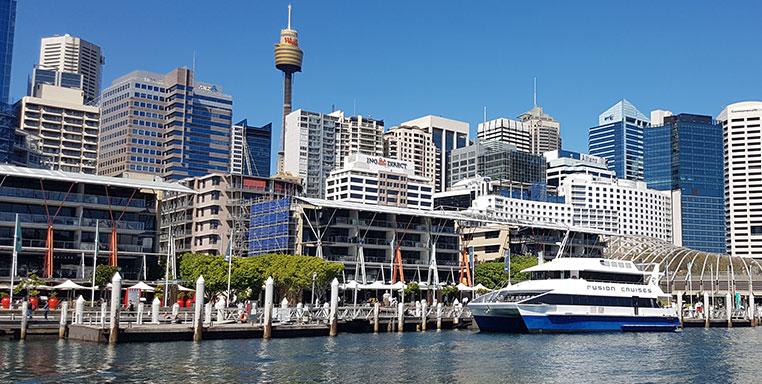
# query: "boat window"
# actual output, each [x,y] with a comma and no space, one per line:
[610,277]
[603,301]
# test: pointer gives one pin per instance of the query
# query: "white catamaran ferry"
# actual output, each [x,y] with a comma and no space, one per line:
[579,295]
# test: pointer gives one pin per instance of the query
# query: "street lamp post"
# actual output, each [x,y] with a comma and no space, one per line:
[314,276]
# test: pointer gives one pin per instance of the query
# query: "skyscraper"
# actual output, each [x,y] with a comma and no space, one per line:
[544,130]
[618,138]
[358,134]
[7,30]
[164,125]
[685,156]
[509,131]
[250,149]
[448,134]
[71,54]
[415,145]
[288,59]
[743,171]
[311,155]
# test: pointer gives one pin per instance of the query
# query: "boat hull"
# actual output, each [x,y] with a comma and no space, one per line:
[575,323]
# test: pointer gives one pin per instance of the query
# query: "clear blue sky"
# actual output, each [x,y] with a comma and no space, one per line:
[400,60]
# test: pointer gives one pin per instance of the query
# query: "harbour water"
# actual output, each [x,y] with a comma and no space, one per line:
[693,355]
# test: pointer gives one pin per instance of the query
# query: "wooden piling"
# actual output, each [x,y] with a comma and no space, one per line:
[198,310]
[424,314]
[24,320]
[116,291]
[707,311]
[334,315]
[439,316]
[376,309]
[268,315]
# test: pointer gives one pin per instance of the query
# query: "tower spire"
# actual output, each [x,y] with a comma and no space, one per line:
[289,16]
[535,92]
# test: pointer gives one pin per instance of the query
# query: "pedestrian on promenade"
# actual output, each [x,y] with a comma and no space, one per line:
[46,308]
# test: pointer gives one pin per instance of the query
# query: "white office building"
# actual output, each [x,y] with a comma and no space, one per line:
[68,128]
[71,54]
[625,207]
[379,180]
[507,131]
[562,163]
[447,134]
[528,211]
[743,177]
[310,152]
[544,130]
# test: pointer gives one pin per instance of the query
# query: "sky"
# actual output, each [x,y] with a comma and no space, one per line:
[398,60]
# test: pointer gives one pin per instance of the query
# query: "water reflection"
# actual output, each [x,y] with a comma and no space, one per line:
[695,355]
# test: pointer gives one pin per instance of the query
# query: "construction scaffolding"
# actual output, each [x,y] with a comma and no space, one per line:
[270,229]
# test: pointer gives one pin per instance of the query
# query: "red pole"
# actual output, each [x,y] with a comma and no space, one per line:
[112,260]
[47,270]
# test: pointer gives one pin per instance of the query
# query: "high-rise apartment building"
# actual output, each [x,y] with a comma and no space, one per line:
[415,145]
[358,134]
[506,166]
[164,125]
[509,131]
[743,177]
[684,155]
[71,54]
[310,153]
[7,117]
[448,134]
[68,128]
[618,138]
[250,149]
[544,130]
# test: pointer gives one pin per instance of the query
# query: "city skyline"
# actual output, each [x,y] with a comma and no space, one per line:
[654,68]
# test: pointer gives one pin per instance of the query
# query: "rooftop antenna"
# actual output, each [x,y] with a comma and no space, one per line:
[194,62]
[289,16]
[535,92]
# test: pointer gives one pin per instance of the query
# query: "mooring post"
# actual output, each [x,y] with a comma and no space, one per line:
[455,313]
[424,314]
[104,306]
[79,310]
[680,307]
[208,315]
[707,310]
[729,309]
[752,310]
[334,314]
[116,291]
[268,315]
[62,320]
[376,310]
[283,315]
[139,320]
[155,304]
[400,317]
[439,316]
[24,320]
[199,302]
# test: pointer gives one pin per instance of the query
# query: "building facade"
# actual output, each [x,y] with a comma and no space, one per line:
[169,126]
[562,163]
[503,163]
[310,152]
[74,55]
[544,130]
[618,138]
[217,212]
[378,180]
[358,134]
[415,145]
[250,148]
[743,174]
[624,207]
[447,134]
[508,131]
[75,202]
[685,156]
[68,128]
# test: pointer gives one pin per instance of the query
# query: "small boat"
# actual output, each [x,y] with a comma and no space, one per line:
[579,295]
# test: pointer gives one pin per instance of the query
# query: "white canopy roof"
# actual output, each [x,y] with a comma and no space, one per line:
[142,286]
[69,285]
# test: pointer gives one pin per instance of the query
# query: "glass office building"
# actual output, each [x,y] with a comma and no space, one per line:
[258,147]
[7,29]
[507,167]
[619,139]
[685,156]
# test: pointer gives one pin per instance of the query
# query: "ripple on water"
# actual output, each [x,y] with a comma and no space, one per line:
[694,355]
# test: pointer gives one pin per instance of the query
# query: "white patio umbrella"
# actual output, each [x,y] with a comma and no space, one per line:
[351,284]
[183,289]
[480,287]
[142,286]
[69,285]
[465,288]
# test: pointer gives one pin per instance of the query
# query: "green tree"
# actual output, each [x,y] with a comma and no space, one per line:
[103,274]
[492,274]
